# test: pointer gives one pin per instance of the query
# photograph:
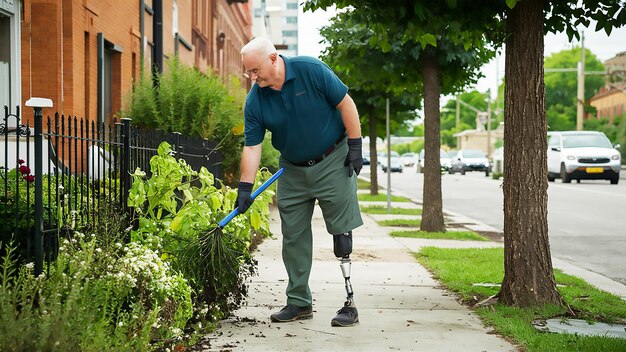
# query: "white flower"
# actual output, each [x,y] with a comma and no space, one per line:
[120,324]
[30,266]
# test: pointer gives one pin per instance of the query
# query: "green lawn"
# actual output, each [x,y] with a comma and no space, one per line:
[400,222]
[449,235]
[362,184]
[458,269]
[380,209]
[381,197]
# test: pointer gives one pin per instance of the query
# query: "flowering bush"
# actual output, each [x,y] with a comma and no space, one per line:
[93,299]
[17,202]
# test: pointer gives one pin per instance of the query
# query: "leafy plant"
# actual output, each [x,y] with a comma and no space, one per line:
[175,217]
[123,298]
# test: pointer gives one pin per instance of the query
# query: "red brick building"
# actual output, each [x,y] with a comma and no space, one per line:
[610,101]
[85,54]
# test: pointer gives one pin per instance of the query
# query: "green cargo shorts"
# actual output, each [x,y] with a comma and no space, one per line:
[298,189]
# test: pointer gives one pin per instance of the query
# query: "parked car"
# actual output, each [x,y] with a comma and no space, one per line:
[444,160]
[408,159]
[470,160]
[366,158]
[396,162]
[582,155]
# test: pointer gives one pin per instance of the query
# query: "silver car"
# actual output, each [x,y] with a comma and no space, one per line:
[582,155]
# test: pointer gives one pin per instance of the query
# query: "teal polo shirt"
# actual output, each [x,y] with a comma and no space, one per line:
[303,115]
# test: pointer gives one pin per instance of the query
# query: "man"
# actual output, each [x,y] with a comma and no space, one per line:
[315,126]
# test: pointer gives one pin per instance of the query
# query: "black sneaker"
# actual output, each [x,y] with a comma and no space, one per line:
[292,312]
[346,316]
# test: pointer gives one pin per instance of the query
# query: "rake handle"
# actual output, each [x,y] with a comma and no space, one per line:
[254,194]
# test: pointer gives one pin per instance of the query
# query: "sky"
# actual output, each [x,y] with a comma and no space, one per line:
[601,45]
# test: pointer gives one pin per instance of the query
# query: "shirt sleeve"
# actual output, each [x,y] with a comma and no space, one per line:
[334,89]
[254,128]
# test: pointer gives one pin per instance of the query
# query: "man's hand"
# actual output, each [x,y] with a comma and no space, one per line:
[354,159]
[244,199]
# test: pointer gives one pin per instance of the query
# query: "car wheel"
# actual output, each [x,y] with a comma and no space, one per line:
[487,173]
[565,178]
[463,171]
[615,179]
[550,177]
[450,171]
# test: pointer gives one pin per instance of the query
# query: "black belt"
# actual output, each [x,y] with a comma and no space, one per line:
[314,161]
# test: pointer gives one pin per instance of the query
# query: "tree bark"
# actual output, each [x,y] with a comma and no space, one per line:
[528,278]
[373,156]
[432,212]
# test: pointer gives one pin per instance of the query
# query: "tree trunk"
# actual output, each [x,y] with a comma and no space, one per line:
[528,276]
[373,155]
[432,212]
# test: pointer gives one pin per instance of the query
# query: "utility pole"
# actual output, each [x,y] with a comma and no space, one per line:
[581,86]
[488,122]
[458,114]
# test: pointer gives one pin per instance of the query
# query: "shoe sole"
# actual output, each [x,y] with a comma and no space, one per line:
[337,323]
[297,317]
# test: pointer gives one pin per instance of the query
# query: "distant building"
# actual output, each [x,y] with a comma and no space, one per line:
[610,101]
[277,20]
[480,139]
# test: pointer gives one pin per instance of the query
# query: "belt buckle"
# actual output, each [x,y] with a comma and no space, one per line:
[311,162]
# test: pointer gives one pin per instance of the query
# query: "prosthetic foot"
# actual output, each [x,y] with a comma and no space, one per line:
[348,314]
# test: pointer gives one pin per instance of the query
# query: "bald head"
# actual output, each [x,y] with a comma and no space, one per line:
[260,47]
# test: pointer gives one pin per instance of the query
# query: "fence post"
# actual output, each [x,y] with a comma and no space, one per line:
[38,104]
[177,143]
[125,167]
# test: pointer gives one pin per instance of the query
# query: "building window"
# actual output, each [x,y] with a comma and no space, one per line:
[290,33]
[5,61]
[292,6]
[291,19]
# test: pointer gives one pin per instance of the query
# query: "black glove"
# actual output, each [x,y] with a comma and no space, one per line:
[354,159]
[244,200]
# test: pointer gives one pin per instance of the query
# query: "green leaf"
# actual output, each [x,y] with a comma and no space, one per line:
[429,39]
[511,3]
[255,220]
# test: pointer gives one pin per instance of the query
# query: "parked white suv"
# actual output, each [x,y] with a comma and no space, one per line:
[582,155]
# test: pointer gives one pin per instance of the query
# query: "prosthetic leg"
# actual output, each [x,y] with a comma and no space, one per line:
[348,315]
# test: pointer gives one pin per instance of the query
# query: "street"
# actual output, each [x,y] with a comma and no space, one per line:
[587,220]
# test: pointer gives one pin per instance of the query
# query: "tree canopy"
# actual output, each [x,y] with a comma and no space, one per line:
[562,87]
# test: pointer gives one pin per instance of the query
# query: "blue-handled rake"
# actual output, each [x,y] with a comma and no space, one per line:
[221,262]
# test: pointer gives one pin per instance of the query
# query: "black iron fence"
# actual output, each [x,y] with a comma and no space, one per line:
[58,178]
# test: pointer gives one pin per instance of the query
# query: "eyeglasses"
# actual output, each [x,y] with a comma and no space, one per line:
[254,71]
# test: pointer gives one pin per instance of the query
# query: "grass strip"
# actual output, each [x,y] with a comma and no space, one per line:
[400,222]
[364,197]
[449,235]
[362,184]
[379,209]
[458,269]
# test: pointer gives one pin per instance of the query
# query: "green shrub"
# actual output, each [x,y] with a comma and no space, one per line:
[92,299]
[194,104]
[177,217]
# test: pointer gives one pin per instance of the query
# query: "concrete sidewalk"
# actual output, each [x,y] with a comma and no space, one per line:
[401,307]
